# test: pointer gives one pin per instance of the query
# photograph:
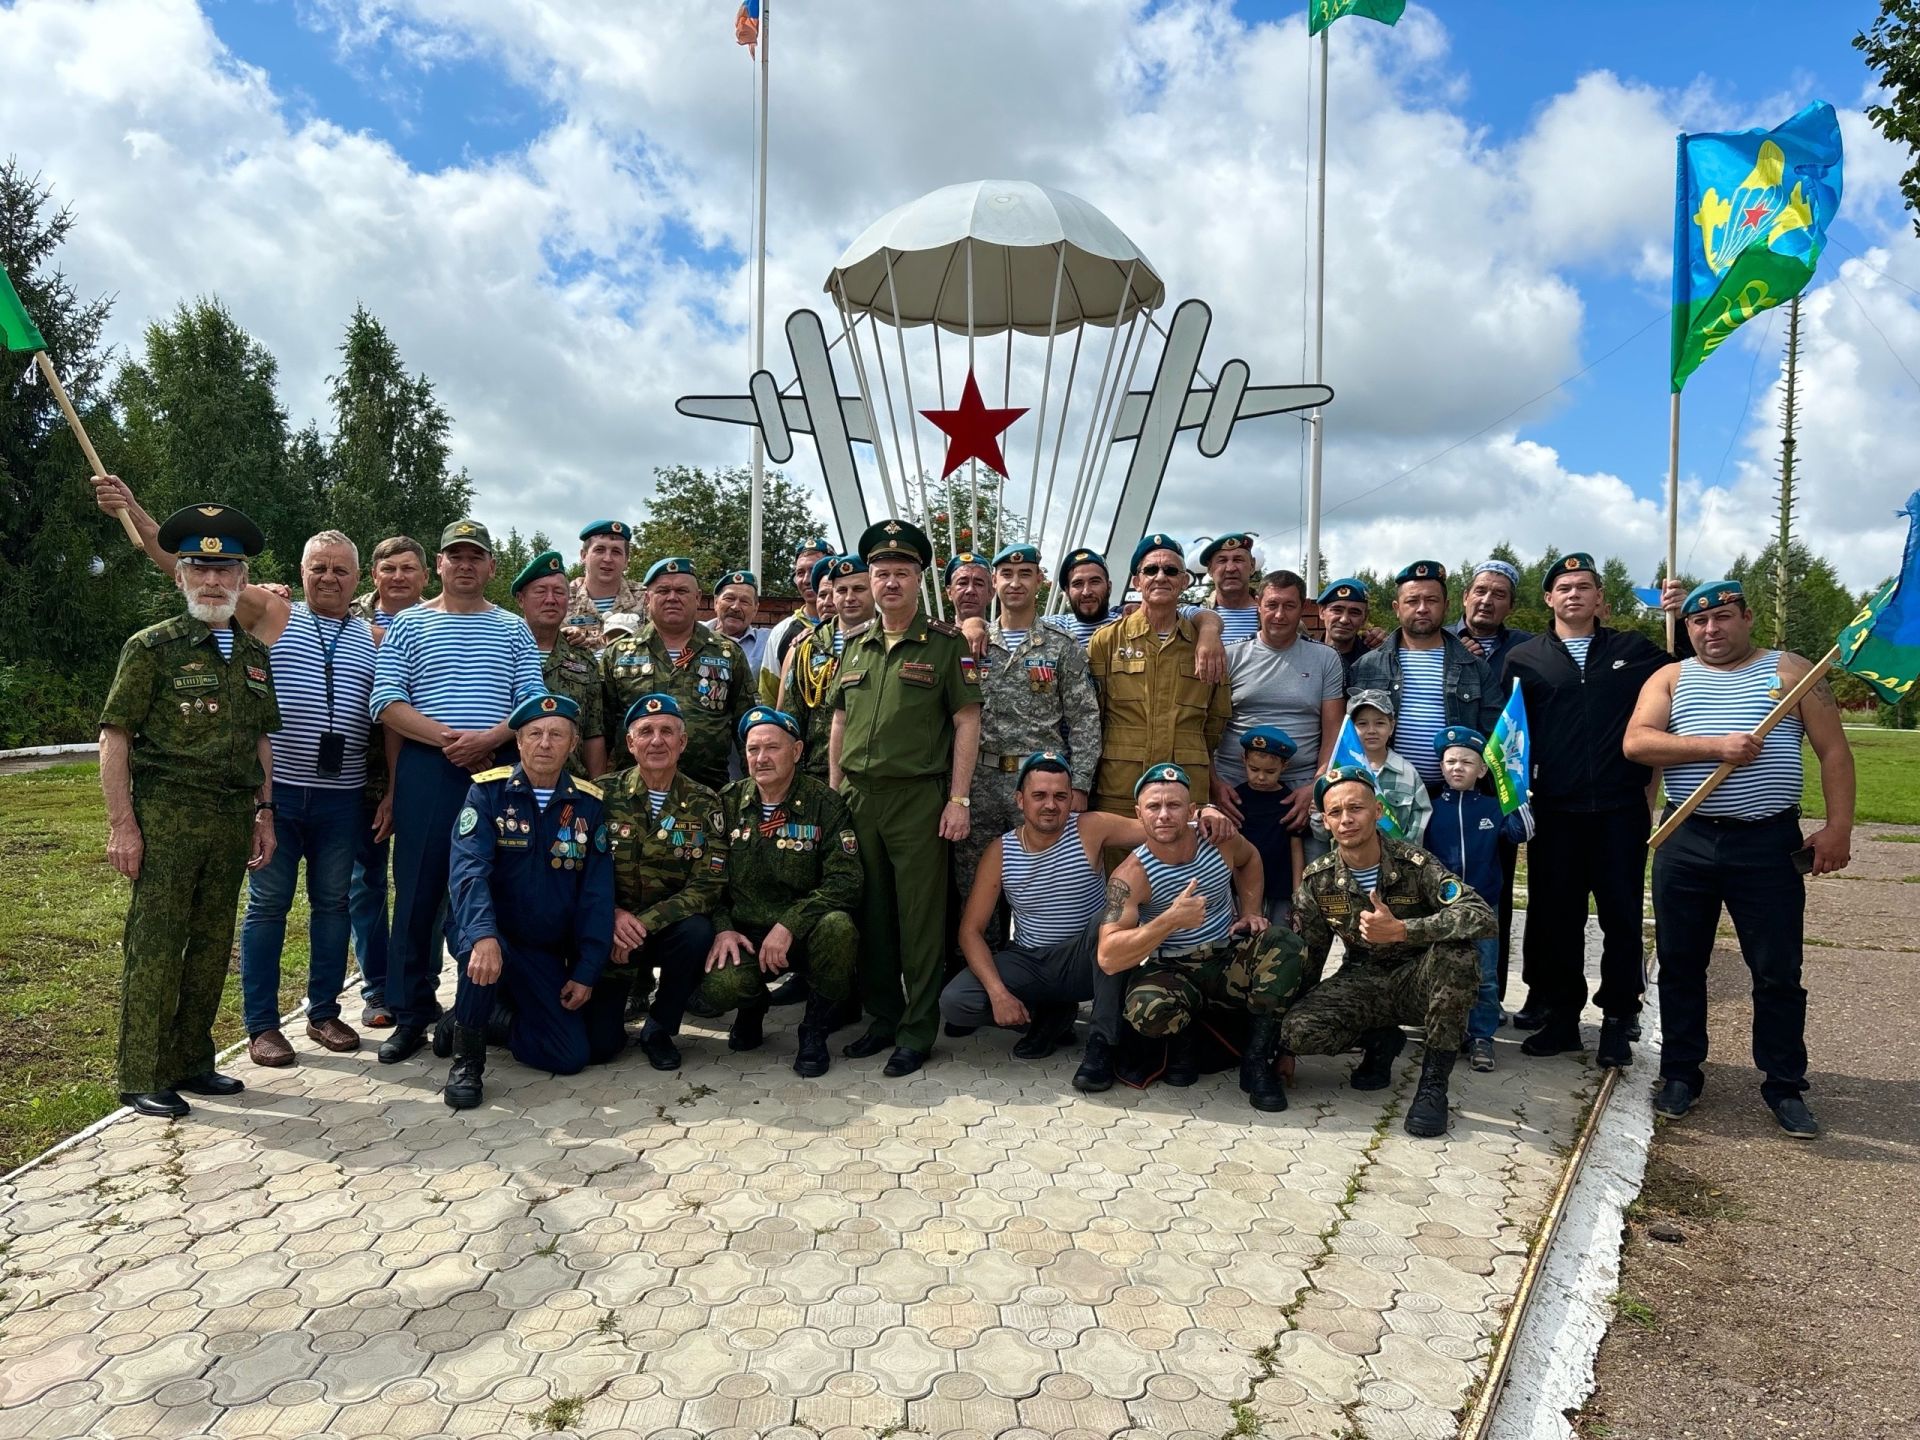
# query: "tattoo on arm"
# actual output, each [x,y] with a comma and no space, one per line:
[1822,694]
[1118,893]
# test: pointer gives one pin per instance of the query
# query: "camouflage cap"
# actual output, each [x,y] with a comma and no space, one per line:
[467,532]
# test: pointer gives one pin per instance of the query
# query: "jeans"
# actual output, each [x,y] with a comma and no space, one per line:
[321,827]
[367,908]
[1484,1018]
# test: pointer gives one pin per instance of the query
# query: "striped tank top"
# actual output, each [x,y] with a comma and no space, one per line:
[1054,893]
[1726,702]
[1210,868]
[300,659]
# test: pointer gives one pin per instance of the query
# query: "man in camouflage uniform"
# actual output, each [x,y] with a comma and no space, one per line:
[668,838]
[806,684]
[1408,926]
[793,883]
[674,654]
[1189,917]
[568,669]
[186,771]
[604,588]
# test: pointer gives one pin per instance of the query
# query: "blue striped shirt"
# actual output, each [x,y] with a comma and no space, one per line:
[1054,893]
[1423,709]
[1368,880]
[1236,623]
[1210,868]
[464,671]
[300,680]
[1577,646]
[1080,630]
[223,640]
[1707,701]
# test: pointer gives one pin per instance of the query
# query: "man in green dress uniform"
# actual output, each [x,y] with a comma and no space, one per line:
[568,669]
[906,736]
[187,775]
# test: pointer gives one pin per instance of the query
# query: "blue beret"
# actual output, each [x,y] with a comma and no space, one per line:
[1340,775]
[1347,589]
[1578,563]
[618,529]
[672,565]
[1018,555]
[820,569]
[1165,773]
[812,542]
[1269,740]
[1078,558]
[1239,540]
[1048,760]
[1714,593]
[767,715]
[656,702]
[1462,735]
[547,562]
[543,707]
[960,561]
[845,565]
[737,577]
[1422,570]
[1149,543]
[211,533]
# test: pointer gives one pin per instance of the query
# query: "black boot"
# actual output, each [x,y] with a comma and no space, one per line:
[469,1062]
[790,991]
[1375,1070]
[1050,1025]
[1559,1036]
[701,1008]
[1427,1115]
[403,1044]
[1182,1069]
[1615,1050]
[500,1022]
[1263,1087]
[745,1032]
[443,1037]
[1096,1066]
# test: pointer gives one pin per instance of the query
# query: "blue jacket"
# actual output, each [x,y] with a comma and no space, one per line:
[539,879]
[1466,834]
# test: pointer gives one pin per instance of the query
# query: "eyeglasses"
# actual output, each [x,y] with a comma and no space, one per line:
[1170,571]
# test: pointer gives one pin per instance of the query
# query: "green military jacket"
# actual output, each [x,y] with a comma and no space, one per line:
[806,692]
[1435,903]
[900,702]
[713,682]
[666,866]
[1037,696]
[792,867]
[571,670]
[196,719]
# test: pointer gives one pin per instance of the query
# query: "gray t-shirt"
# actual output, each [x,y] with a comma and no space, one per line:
[1279,687]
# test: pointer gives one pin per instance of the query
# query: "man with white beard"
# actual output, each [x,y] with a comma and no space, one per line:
[187,774]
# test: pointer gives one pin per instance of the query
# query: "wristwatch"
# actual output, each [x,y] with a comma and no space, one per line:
[965,802]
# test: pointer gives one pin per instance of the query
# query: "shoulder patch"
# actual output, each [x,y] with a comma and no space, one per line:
[498,772]
[1450,891]
[159,634]
[587,787]
[469,818]
[944,627]
[1323,864]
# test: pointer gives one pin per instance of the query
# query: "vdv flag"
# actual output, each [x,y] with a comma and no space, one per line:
[1322,13]
[17,330]
[1509,754]
[1882,645]
[1349,753]
[1750,220]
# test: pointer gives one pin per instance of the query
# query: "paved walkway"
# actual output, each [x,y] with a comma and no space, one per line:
[731,1252]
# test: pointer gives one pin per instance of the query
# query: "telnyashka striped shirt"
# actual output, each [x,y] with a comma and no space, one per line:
[1730,702]
[1423,709]
[1236,623]
[1080,630]
[300,680]
[466,672]
[1577,646]
[1210,868]
[1054,893]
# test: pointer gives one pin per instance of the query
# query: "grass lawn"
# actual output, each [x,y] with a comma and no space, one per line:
[1887,772]
[61,913]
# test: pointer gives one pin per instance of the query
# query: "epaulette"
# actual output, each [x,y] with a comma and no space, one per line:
[1325,862]
[498,772]
[945,627]
[586,787]
[166,630]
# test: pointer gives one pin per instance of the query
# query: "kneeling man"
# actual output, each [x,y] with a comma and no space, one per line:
[1410,957]
[1170,916]
[793,883]
[531,890]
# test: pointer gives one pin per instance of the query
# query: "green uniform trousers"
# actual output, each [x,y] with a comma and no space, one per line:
[1261,973]
[903,910]
[829,959]
[1436,990]
[179,936]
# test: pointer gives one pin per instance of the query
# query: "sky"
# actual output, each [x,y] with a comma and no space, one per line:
[549,206]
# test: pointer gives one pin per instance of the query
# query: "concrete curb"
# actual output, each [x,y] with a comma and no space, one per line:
[39,752]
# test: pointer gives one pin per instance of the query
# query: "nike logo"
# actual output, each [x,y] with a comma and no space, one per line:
[1619,664]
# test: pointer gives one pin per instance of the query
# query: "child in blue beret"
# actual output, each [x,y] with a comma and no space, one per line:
[1263,806]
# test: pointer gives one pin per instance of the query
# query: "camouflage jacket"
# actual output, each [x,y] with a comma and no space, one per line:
[572,671]
[1435,903]
[671,865]
[790,868]
[584,619]
[1038,696]
[712,682]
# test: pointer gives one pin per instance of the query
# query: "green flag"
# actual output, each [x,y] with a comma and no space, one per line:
[1882,644]
[1322,13]
[17,330]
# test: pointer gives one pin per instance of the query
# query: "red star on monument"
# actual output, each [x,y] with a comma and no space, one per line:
[1755,215]
[973,431]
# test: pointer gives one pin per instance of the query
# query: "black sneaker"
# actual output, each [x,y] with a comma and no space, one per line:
[1615,1050]
[1795,1118]
[1675,1099]
[1096,1066]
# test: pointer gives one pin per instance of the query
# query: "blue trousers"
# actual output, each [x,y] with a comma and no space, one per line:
[543,1035]
[1484,1018]
[319,826]
[367,910]
[428,792]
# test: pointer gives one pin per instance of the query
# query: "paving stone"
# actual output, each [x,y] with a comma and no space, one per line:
[246,1378]
[144,1373]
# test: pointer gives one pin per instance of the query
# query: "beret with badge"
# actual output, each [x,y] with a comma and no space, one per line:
[1269,740]
[547,562]
[1076,558]
[656,702]
[1165,773]
[1342,775]
[766,715]
[543,707]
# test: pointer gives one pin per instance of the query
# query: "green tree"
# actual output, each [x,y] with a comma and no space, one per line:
[707,515]
[949,515]
[1818,605]
[510,557]
[1892,48]
[387,471]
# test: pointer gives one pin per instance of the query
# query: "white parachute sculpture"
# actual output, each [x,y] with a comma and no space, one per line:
[956,271]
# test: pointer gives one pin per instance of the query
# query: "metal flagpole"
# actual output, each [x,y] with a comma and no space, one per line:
[758,524]
[1673,505]
[1316,422]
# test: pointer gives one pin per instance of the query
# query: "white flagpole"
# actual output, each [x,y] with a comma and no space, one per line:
[758,525]
[1316,422]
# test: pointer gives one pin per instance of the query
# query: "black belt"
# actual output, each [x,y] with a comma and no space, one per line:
[1743,822]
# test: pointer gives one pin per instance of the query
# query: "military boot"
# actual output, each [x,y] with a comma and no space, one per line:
[469,1062]
[816,1023]
[1182,1068]
[1427,1115]
[1096,1066]
[1375,1070]
[1263,1087]
[745,1032]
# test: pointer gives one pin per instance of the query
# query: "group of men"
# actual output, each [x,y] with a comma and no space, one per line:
[610,811]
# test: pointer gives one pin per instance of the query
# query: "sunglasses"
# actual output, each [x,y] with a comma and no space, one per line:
[1170,571]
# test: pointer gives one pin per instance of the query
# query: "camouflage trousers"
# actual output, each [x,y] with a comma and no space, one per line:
[179,936]
[1261,973]
[992,814]
[829,958]
[1435,989]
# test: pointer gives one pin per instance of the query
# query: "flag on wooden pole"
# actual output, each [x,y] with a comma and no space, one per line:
[17,330]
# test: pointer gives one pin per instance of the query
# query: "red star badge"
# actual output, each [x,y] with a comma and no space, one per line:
[1755,215]
[973,431]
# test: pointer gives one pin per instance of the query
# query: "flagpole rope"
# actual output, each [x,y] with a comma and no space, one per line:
[1867,264]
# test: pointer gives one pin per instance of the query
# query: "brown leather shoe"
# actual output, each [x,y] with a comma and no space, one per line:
[270,1048]
[336,1035]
